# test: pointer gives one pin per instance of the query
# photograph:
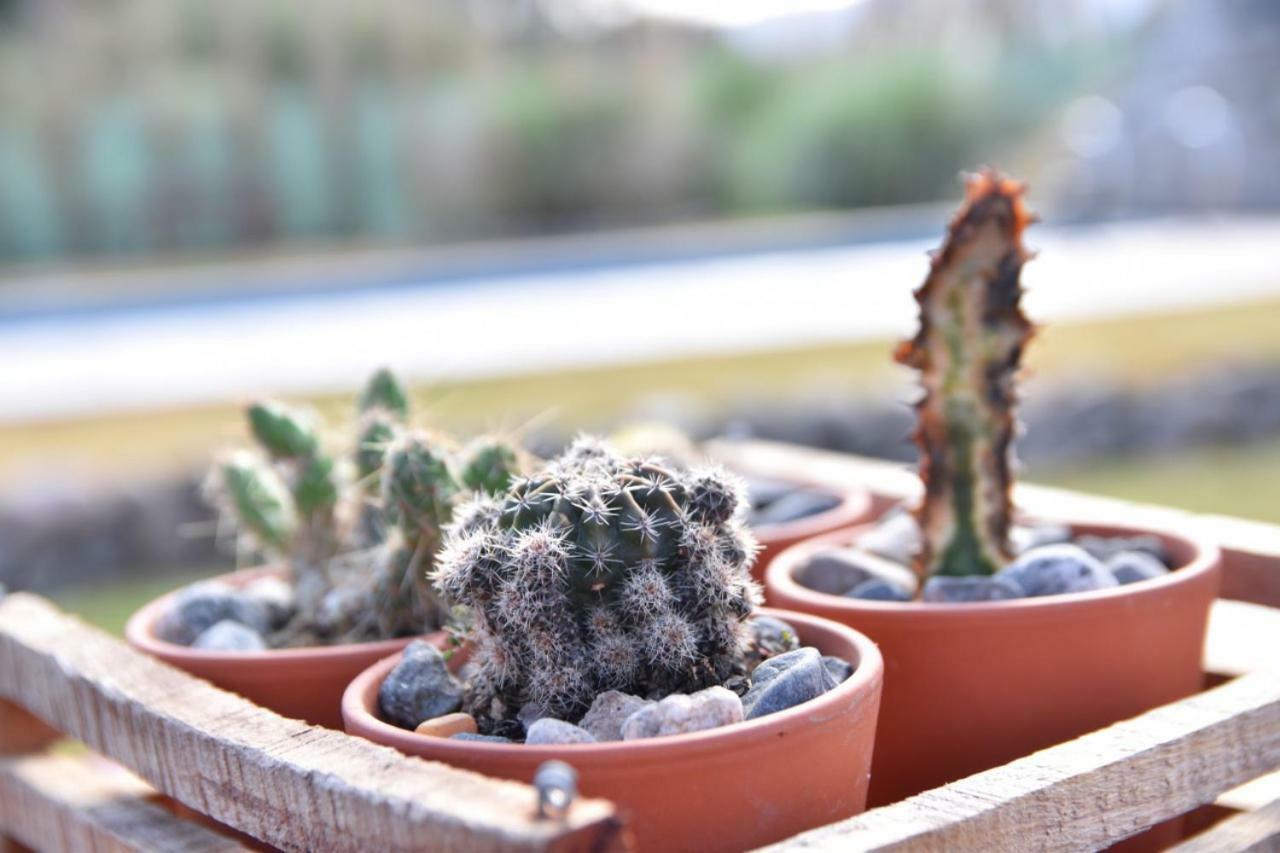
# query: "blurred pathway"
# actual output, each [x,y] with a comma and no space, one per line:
[172,352]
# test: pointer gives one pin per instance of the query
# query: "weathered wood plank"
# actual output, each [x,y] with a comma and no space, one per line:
[1084,794]
[1243,638]
[278,780]
[1251,832]
[64,803]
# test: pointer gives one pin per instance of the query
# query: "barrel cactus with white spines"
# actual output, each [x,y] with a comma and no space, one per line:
[602,573]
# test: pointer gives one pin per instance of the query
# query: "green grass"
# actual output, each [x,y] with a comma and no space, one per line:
[1241,481]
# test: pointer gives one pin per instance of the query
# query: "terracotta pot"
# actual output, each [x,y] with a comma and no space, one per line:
[973,686]
[302,683]
[725,789]
[855,507]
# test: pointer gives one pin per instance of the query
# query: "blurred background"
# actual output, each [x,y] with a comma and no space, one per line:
[562,214]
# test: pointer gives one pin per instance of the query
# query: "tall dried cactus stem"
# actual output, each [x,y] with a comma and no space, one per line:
[968,351]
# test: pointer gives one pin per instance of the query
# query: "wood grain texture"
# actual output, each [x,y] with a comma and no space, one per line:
[1253,832]
[64,803]
[281,781]
[1084,794]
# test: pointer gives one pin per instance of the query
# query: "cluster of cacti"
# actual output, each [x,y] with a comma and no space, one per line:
[968,351]
[359,538]
[601,573]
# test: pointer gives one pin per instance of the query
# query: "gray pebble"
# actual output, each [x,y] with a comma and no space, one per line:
[419,688]
[1133,566]
[773,636]
[968,588]
[786,681]
[896,537]
[276,596]
[200,606]
[798,504]
[1024,537]
[1057,569]
[228,636]
[680,714]
[838,570]
[550,730]
[878,589]
[762,491]
[480,738]
[838,668]
[1105,547]
[609,711]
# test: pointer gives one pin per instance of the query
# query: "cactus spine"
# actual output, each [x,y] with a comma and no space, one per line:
[601,573]
[968,351]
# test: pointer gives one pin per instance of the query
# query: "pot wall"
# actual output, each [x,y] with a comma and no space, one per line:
[727,789]
[302,683]
[973,686]
[855,507]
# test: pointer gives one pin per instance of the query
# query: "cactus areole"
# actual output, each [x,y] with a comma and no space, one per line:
[602,573]
[968,351]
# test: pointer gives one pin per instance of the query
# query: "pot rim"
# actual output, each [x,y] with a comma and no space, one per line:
[140,631]
[359,699]
[854,506]
[1206,559]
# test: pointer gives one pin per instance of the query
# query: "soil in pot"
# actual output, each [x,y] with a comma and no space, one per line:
[304,683]
[725,788]
[972,685]
[783,512]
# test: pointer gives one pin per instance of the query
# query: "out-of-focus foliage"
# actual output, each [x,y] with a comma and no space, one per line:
[142,126]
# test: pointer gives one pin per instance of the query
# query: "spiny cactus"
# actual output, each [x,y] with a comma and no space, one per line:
[257,498]
[968,350]
[601,573]
[384,409]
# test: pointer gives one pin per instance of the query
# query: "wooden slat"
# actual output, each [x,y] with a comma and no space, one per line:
[1090,792]
[278,780]
[1251,832]
[1243,638]
[64,803]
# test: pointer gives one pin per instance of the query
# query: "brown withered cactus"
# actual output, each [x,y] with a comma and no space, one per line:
[968,350]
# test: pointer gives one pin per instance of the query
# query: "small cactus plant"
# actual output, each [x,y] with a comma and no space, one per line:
[601,573]
[358,537]
[968,351]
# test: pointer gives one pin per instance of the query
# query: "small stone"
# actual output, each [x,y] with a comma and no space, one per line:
[342,607]
[200,606]
[786,681]
[1057,569]
[762,491]
[480,738]
[838,668]
[529,714]
[419,688]
[896,537]
[228,636]
[447,725]
[1024,537]
[680,714]
[795,505]
[1133,566]
[609,711]
[1105,547]
[838,570]
[773,636]
[878,589]
[968,588]
[550,730]
[276,596]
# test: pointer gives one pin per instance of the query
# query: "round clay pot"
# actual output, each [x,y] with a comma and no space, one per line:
[730,788]
[301,683]
[855,507]
[973,686]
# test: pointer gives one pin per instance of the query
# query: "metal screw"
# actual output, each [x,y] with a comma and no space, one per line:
[557,785]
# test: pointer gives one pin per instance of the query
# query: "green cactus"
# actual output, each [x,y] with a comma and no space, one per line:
[255,495]
[488,465]
[601,573]
[968,350]
[384,409]
[384,391]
